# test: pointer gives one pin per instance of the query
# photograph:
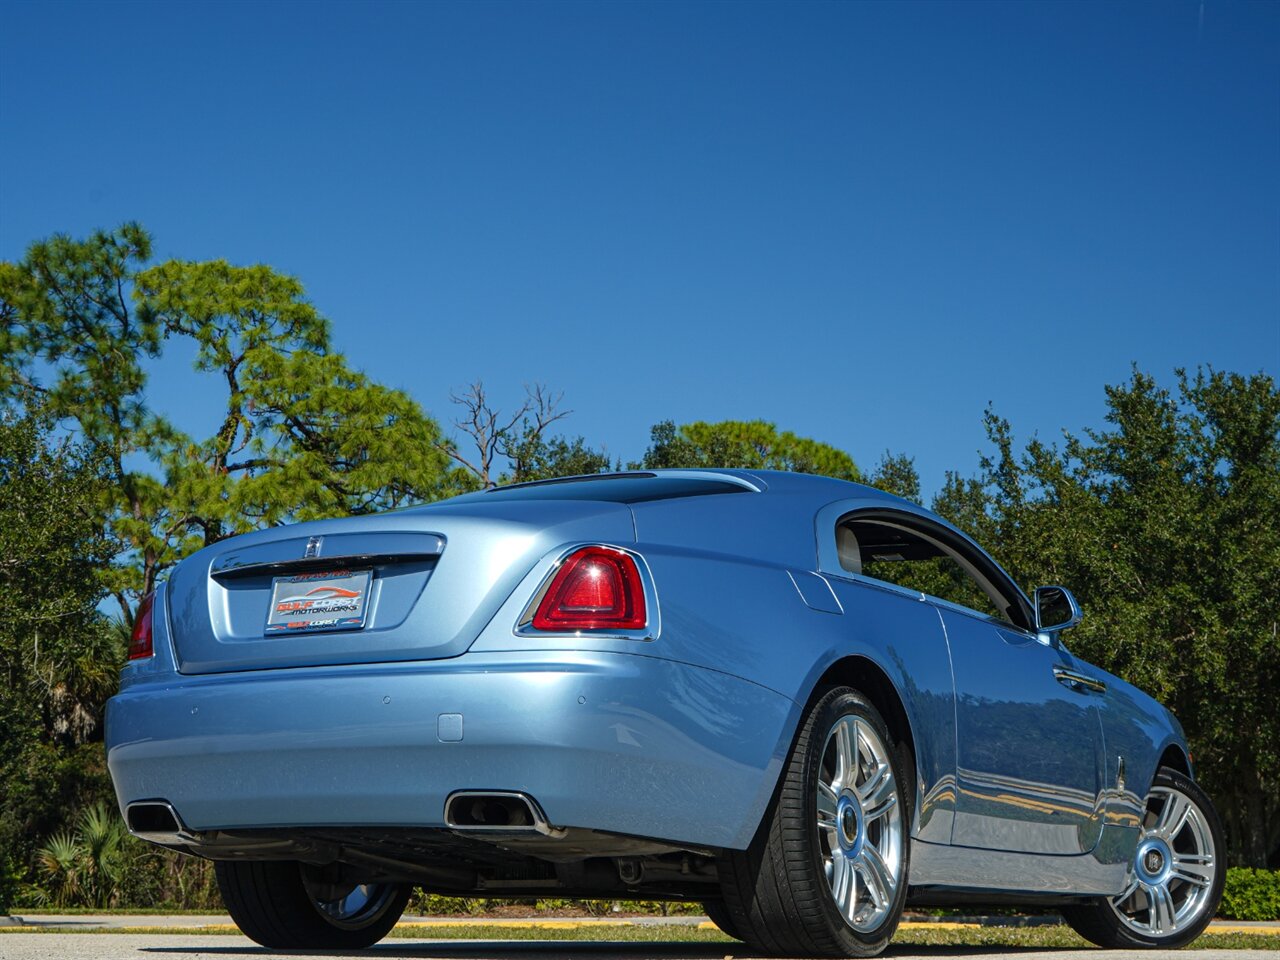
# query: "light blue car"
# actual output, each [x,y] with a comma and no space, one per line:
[801,702]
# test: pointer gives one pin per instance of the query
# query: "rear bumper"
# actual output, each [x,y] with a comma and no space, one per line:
[607,741]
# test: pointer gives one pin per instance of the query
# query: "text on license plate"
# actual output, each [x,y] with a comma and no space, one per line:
[327,600]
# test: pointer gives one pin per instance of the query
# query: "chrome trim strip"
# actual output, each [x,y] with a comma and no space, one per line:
[1074,680]
[347,548]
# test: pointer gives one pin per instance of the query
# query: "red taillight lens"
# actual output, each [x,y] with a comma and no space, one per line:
[140,640]
[597,588]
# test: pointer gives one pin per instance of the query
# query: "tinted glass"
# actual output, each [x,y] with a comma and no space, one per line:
[898,556]
[619,488]
[938,577]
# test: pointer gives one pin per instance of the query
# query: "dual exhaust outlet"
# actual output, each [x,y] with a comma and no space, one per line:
[497,811]
[470,810]
[157,821]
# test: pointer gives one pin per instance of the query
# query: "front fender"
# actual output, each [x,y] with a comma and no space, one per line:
[1137,730]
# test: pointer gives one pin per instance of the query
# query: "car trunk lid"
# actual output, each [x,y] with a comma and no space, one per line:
[428,581]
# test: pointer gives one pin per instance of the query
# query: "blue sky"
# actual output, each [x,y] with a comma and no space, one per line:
[861,221]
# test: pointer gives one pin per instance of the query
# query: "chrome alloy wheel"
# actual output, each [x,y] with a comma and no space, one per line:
[859,823]
[1173,868]
[350,905]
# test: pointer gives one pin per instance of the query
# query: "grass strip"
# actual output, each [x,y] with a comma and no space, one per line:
[1057,936]
[114,911]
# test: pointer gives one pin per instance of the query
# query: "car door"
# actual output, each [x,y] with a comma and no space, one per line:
[1028,742]
[1028,746]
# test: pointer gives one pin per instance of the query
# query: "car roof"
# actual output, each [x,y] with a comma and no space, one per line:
[670,503]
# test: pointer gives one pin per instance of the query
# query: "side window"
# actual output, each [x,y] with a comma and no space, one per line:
[897,554]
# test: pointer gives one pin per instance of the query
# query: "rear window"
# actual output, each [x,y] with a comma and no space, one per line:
[614,488]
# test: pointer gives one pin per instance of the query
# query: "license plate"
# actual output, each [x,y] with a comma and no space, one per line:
[330,600]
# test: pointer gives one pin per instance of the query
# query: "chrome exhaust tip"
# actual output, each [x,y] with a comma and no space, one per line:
[156,821]
[497,811]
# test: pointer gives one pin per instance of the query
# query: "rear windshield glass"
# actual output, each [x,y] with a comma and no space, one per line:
[617,488]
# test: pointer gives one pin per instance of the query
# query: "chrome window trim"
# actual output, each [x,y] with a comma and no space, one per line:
[829,558]
[863,580]
[653,617]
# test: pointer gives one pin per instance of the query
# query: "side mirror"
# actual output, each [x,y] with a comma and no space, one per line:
[1056,609]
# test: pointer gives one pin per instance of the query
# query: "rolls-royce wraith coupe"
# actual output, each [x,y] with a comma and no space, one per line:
[800,702]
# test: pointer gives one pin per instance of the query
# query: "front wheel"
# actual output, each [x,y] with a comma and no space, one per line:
[826,874]
[1175,879]
[284,906]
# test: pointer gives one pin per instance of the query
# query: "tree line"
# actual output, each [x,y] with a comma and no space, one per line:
[1166,522]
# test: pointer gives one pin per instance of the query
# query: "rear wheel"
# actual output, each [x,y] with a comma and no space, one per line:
[285,906]
[827,872]
[1175,880]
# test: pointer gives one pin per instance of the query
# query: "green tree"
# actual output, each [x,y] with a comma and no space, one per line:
[58,655]
[539,458]
[745,444]
[303,434]
[896,474]
[69,320]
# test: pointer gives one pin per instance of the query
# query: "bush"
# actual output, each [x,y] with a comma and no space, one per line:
[435,904]
[1251,894]
[83,868]
[432,904]
[98,864]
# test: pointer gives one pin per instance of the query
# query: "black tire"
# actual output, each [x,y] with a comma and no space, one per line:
[273,905]
[777,893]
[718,914]
[1102,920]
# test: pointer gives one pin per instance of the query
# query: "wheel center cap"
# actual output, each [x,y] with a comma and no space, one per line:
[849,825]
[1153,860]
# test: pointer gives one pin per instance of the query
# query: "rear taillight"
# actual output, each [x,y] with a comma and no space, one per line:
[140,640]
[596,588]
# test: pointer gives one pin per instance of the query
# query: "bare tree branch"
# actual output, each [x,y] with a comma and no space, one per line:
[495,434]
[539,411]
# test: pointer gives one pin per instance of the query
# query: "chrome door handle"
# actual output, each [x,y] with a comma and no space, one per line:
[1078,682]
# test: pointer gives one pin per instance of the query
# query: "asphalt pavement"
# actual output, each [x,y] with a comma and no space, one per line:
[41,937]
[127,946]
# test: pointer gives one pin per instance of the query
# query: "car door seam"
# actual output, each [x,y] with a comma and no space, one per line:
[955,723]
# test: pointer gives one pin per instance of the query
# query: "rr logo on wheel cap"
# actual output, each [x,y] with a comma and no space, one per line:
[849,824]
